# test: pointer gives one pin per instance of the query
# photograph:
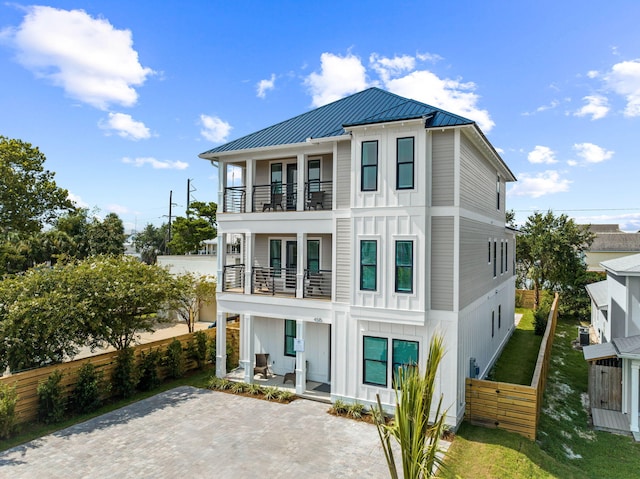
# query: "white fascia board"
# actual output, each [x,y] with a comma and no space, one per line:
[252,152]
[388,124]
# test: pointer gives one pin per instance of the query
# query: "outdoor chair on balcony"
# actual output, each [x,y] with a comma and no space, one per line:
[262,365]
[276,201]
[292,376]
[316,198]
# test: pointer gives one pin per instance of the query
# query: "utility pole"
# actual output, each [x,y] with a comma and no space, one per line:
[171,203]
[189,191]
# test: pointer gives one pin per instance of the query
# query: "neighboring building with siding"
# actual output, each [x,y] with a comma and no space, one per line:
[610,243]
[368,225]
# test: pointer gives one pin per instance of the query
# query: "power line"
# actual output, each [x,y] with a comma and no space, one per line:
[579,209]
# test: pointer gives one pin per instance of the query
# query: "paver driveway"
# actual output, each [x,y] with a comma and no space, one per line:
[197,433]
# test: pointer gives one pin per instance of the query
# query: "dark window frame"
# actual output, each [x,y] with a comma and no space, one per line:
[405,162]
[365,167]
[289,338]
[493,323]
[402,267]
[366,361]
[310,258]
[367,266]
[495,259]
[276,271]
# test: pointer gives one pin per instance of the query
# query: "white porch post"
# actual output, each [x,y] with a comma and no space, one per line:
[247,346]
[301,172]
[250,242]
[221,345]
[251,167]
[221,260]
[301,358]
[302,255]
[635,394]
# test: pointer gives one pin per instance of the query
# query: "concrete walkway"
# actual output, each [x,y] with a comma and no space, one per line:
[197,433]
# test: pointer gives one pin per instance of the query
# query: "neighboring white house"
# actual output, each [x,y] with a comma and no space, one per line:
[610,243]
[615,317]
[368,225]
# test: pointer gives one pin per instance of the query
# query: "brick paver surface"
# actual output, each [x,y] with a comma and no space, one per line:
[197,433]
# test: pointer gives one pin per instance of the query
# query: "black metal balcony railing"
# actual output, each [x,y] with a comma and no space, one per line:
[233,278]
[318,195]
[273,281]
[234,199]
[275,197]
[317,283]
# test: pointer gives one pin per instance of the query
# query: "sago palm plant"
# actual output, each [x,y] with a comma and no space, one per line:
[416,436]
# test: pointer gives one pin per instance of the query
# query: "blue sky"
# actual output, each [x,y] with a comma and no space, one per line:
[122,96]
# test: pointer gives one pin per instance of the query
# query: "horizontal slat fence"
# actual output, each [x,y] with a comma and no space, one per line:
[26,382]
[513,407]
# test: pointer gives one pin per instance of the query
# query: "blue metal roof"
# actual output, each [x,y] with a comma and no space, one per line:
[364,108]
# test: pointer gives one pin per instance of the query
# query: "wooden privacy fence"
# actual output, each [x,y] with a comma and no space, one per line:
[26,382]
[513,407]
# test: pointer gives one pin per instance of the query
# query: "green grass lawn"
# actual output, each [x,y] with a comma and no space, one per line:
[518,359]
[30,431]
[566,446]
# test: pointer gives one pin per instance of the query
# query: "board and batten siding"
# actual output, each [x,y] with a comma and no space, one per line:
[476,272]
[343,179]
[442,240]
[343,260]
[442,168]
[478,182]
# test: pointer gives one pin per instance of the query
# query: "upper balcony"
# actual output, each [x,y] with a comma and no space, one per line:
[301,183]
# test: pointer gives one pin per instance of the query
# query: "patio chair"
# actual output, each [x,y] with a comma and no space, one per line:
[262,365]
[276,200]
[292,376]
[316,198]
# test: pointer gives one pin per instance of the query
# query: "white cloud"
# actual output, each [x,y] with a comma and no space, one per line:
[89,58]
[540,109]
[450,95]
[629,222]
[428,57]
[593,73]
[265,85]
[391,67]
[155,164]
[214,129]
[572,163]
[77,201]
[592,153]
[338,77]
[539,184]
[624,79]
[125,126]
[542,154]
[597,107]
[118,209]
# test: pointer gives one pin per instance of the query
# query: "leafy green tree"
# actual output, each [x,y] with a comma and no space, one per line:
[40,318]
[150,242]
[29,196]
[550,251]
[415,434]
[199,225]
[192,292]
[106,236]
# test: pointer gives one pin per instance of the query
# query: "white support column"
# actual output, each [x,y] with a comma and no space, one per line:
[301,173]
[302,255]
[221,183]
[626,385]
[250,242]
[221,260]
[221,345]
[247,346]
[251,168]
[635,394]
[301,358]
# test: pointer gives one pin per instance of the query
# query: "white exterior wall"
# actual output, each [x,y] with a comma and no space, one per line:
[196,264]
[617,306]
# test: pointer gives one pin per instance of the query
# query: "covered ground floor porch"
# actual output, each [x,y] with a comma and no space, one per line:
[314,390]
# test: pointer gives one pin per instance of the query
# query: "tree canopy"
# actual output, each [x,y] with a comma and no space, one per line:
[29,196]
[199,225]
[550,251]
[150,242]
[193,291]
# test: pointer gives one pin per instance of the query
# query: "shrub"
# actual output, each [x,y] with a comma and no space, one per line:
[124,377]
[271,393]
[237,387]
[87,396]
[174,360]
[541,315]
[221,384]
[355,410]
[211,352]
[8,400]
[339,407]
[51,401]
[148,371]
[285,396]
[198,348]
[255,389]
